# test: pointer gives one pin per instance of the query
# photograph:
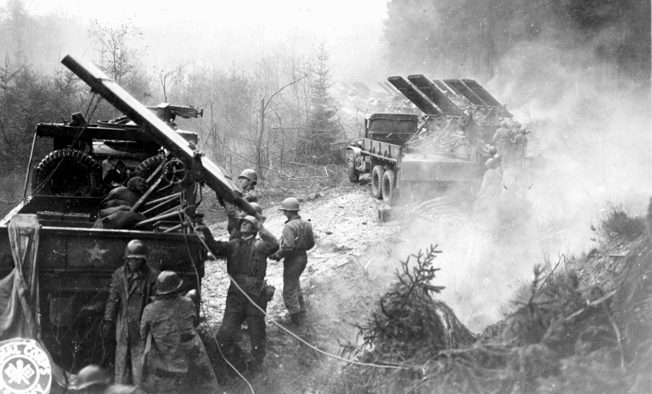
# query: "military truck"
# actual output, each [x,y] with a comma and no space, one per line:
[443,148]
[57,242]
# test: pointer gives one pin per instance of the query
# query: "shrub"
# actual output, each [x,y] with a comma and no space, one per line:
[618,223]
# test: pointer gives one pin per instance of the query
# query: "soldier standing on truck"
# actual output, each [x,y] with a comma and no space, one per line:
[247,182]
[246,262]
[131,287]
[297,238]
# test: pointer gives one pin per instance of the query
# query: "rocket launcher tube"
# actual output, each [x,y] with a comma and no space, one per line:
[156,128]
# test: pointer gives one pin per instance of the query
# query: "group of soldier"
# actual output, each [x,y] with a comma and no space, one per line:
[500,183]
[158,348]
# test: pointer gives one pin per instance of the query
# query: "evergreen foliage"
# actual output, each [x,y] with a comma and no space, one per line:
[322,129]
[562,336]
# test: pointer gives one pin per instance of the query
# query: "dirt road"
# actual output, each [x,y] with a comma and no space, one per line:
[344,276]
[351,266]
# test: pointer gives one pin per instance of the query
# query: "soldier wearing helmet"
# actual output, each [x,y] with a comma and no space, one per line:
[92,379]
[132,284]
[248,294]
[247,181]
[502,137]
[296,239]
[486,203]
[175,358]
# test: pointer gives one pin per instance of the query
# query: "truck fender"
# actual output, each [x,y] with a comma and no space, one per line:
[356,151]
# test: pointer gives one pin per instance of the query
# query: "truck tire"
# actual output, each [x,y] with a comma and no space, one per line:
[377,181]
[389,186]
[67,172]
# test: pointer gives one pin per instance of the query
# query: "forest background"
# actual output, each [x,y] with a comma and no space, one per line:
[286,109]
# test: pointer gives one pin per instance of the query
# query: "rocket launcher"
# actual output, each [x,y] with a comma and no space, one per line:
[158,130]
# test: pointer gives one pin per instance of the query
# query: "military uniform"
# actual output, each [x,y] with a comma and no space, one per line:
[174,357]
[297,238]
[502,140]
[235,214]
[246,262]
[247,182]
[128,295]
[486,204]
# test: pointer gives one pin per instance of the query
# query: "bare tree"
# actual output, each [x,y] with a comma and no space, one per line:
[119,58]
[116,57]
[169,78]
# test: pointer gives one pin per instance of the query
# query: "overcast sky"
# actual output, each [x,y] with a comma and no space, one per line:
[237,32]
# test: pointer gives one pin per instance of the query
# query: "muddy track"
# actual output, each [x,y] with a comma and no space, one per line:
[354,263]
[344,276]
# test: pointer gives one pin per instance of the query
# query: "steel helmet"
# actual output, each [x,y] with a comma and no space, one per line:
[136,249]
[252,220]
[167,282]
[290,204]
[256,207]
[92,375]
[492,150]
[249,174]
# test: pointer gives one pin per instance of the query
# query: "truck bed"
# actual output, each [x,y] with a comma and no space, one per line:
[75,263]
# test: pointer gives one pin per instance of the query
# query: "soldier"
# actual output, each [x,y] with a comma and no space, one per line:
[502,136]
[297,238]
[131,287]
[247,182]
[174,356]
[486,203]
[520,145]
[94,380]
[246,261]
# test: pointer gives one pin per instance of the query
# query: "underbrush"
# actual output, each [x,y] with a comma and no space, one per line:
[617,223]
[559,337]
[302,181]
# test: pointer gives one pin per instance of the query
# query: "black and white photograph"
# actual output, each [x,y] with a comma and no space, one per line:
[316,197]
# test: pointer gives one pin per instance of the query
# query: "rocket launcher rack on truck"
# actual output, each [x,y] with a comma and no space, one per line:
[444,147]
[63,247]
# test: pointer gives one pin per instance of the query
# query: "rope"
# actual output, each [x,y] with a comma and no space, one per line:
[219,348]
[313,347]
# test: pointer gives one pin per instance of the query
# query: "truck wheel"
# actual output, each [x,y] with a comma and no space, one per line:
[389,186]
[67,172]
[376,181]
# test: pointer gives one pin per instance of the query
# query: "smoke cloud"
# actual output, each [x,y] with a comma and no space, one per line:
[589,151]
